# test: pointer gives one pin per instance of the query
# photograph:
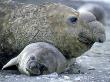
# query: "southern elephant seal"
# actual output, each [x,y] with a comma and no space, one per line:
[56,24]
[97,10]
[39,58]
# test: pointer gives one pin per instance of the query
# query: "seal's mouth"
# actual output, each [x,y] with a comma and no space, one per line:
[33,72]
[101,38]
[89,41]
[85,39]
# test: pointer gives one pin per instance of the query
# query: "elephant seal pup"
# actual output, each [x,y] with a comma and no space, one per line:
[96,10]
[39,58]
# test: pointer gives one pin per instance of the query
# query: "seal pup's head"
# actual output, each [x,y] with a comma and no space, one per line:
[31,67]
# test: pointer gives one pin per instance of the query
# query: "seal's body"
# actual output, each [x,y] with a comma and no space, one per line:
[39,58]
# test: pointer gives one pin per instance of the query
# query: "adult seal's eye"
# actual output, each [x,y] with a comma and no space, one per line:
[73,19]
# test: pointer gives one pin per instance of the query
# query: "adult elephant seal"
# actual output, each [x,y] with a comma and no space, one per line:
[97,10]
[57,24]
[39,58]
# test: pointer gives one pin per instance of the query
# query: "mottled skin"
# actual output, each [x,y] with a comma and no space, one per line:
[39,58]
[56,24]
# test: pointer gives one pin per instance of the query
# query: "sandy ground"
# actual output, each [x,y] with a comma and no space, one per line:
[97,60]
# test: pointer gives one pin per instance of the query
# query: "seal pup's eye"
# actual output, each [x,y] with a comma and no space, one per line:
[73,19]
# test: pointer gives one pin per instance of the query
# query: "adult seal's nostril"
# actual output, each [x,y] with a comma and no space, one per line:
[100,40]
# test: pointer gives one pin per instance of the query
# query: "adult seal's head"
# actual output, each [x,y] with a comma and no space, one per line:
[73,32]
[39,58]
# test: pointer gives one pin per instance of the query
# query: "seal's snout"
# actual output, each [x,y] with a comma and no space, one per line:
[101,39]
[98,31]
[33,68]
[33,65]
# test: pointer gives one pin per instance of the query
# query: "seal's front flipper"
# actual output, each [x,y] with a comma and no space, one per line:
[12,62]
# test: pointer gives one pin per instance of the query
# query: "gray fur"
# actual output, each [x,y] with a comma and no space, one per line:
[44,54]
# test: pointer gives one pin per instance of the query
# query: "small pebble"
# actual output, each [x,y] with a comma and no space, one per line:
[66,77]
[77,79]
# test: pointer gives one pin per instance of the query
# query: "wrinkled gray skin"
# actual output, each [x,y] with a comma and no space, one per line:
[95,9]
[39,58]
[90,19]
